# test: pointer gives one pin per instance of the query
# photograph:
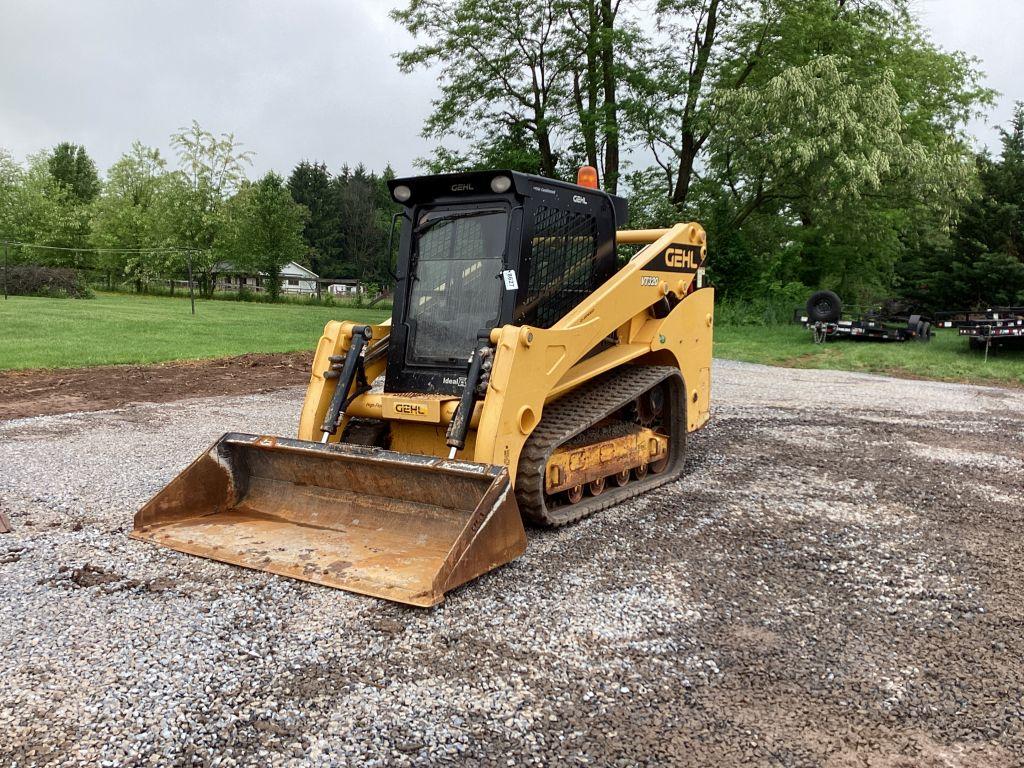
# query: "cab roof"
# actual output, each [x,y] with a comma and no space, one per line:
[450,187]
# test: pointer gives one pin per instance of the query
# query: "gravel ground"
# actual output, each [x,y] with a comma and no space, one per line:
[837,581]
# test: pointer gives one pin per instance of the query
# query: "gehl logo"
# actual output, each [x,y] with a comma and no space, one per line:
[676,258]
[411,408]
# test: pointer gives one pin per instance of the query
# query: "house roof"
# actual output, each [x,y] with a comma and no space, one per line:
[291,269]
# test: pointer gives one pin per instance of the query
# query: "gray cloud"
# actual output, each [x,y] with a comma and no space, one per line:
[312,79]
[992,31]
[292,80]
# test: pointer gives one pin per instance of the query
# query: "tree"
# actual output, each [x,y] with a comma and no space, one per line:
[74,171]
[994,222]
[501,71]
[263,230]
[123,216]
[668,105]
[839,120]
[531,86]
[596,29]
[10,185]
[47,213]
[365,209]
[982,263]
[189,205]
[834,127]
[510,147]
[209,160]
[310,186]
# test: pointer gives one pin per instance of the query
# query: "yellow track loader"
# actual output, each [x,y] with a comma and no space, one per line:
[526,372]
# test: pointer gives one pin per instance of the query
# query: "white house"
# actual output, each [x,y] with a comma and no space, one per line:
[295,278]
[346,287]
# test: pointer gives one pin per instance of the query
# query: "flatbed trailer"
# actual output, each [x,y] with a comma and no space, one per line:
[868,329]
[996,326]
[824,318]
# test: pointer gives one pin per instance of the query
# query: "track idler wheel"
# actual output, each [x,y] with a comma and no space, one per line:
[659,466]
[596,486]
[621,478]
[650,405]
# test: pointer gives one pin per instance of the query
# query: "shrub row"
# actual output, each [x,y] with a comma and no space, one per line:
[52,282]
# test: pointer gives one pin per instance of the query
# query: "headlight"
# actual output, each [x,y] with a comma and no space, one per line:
[501,184]
[402,193]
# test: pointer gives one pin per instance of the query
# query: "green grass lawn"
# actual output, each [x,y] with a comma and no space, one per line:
[946,357]
[119,328]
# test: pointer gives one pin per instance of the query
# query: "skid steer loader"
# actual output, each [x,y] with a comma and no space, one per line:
[523,374]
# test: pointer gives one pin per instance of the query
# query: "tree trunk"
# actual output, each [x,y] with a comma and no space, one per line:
[543,132]
[547,157]
[687,157]
[690,140]
[609,81]
[590,119]
[750,206]
[274,285]
[585,112]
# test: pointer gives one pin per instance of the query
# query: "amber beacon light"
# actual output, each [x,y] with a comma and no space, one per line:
[586,176]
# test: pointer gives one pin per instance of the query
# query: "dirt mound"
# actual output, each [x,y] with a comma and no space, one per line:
[67,390]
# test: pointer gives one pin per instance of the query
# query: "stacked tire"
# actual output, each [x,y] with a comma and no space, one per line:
[824,307]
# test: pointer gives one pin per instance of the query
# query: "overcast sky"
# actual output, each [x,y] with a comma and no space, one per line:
[294,79]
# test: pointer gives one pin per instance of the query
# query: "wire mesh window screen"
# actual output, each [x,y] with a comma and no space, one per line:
[563,262]
[456,290]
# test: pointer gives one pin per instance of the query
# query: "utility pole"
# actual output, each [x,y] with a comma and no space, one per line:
[5,270]
[191,289]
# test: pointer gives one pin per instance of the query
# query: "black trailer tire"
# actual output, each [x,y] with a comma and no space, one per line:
[824,307]
[973,342]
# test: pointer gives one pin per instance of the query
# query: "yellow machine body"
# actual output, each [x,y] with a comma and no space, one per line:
[408,523]
[533,366]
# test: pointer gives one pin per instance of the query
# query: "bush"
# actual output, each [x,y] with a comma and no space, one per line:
[51,282]
[773,305]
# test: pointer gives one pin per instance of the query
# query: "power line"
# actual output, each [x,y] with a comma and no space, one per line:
[109,250]
[186,251]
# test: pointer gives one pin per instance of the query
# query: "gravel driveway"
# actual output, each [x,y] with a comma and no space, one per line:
[838,580]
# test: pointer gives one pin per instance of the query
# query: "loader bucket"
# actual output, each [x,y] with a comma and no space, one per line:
[399,526]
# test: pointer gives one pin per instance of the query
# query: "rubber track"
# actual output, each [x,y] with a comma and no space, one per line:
[580,409]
